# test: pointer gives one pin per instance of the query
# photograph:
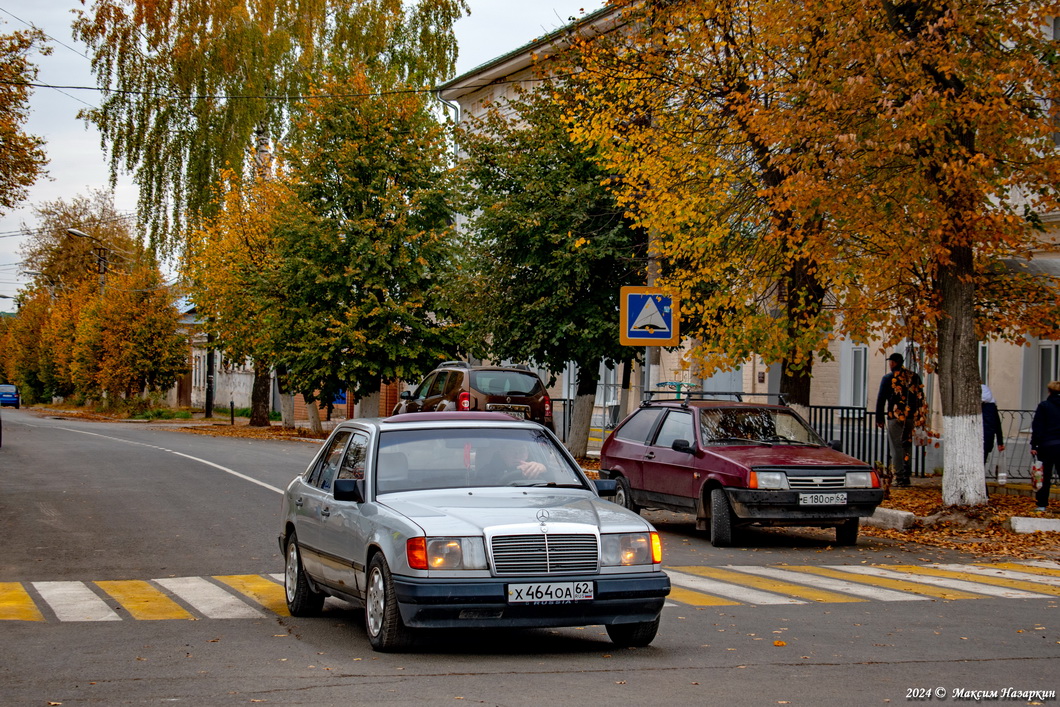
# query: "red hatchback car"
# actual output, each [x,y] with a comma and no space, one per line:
[735,463]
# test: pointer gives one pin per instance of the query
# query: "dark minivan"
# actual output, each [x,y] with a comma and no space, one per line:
[456,385]
[736,463]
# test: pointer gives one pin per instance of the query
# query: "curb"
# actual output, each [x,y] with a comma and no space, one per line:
[890,518]
[1021,524]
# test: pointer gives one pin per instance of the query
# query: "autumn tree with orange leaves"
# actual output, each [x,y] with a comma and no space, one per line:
[859,168]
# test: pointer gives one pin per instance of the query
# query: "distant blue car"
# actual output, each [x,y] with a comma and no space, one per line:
[9,395]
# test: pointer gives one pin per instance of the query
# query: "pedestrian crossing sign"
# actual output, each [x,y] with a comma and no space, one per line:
[648,317]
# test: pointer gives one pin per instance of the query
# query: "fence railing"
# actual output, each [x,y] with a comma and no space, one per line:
[856,430]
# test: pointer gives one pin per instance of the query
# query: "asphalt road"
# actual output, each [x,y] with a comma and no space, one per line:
[139,566]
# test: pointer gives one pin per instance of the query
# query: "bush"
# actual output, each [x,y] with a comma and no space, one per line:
[161,414]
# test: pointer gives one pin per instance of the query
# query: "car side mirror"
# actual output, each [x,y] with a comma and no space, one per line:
[606,487]
[406,395]
[349,490]
[683,445]
[836,444]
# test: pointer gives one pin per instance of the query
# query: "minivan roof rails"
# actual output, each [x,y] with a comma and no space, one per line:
[456,364]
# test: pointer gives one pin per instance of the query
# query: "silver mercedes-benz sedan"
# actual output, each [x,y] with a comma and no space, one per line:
[448,520]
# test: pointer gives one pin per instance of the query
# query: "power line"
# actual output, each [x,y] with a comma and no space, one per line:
[60,43]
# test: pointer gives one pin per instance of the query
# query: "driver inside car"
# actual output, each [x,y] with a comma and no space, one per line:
[512,461]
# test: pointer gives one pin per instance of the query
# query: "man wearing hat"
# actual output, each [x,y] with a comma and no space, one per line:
[899,404]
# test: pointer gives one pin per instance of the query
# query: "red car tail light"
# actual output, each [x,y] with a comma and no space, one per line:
[463,401]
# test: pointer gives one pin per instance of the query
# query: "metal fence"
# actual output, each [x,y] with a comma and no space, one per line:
[856,430]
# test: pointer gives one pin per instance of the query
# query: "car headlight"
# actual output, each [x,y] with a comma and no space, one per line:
[770,480]
[446,553]
[623,549]
[862,480]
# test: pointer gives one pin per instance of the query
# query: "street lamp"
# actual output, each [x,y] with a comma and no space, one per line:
[100,252]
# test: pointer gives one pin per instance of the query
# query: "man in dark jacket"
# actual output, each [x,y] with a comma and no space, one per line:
[1045,440]
[900,403]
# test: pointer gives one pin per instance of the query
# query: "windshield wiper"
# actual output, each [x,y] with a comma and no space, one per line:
[741,439]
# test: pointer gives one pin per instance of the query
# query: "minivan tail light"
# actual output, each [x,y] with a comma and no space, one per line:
[548,406]
[463,401]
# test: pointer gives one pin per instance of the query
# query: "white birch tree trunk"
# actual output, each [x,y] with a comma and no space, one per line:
[313,413]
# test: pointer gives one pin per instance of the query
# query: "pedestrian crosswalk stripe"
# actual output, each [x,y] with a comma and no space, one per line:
[864,591]
[143,601]
[849,574]
[963,585]
[740,577]
[16,604]
[960,574]
[687,596]
[207,598]
[251,596]
[714,588]
[1050,570]
[74,601]
[264,591]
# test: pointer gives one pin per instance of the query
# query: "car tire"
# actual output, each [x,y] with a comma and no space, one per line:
[624,495]
[720,519]
[846,533]
[382,618]
[302,599]
[635,635]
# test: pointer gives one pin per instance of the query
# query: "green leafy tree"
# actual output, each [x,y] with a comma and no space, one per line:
[360,253]
[22,157]
[195,87]
[547,248]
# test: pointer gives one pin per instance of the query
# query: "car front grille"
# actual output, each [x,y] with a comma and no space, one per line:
[817,482]
[545,554]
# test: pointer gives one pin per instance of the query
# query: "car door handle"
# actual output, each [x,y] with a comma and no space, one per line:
[299,502]
[326,512]
[649,455]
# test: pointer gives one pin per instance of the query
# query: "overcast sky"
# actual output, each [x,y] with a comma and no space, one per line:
[77,163]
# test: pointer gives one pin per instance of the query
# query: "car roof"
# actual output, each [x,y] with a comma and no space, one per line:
[441,420]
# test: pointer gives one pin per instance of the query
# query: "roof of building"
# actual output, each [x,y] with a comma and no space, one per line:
[524,56]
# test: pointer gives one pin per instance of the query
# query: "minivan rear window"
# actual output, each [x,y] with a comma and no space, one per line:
[505,383]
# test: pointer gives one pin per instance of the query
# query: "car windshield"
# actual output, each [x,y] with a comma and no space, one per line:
[411,460]
[754,426]
[505,383]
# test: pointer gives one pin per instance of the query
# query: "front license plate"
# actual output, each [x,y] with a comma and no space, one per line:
[822,499]
[549,592]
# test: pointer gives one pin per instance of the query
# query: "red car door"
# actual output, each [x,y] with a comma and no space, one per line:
[668,473]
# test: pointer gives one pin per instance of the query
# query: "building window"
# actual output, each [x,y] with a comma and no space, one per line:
[859,357]
[984,361]
[1048,364]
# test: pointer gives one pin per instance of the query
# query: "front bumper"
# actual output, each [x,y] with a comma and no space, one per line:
[450,603]
[784,506]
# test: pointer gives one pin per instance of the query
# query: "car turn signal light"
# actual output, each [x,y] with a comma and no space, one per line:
[416,551]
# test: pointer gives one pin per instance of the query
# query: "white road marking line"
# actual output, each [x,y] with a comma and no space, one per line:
[73,601]
[731,591]
[225,469]
[207,598]
[960,584]
[832,584]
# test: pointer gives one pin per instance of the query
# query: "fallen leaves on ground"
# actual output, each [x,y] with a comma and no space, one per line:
[981,530]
